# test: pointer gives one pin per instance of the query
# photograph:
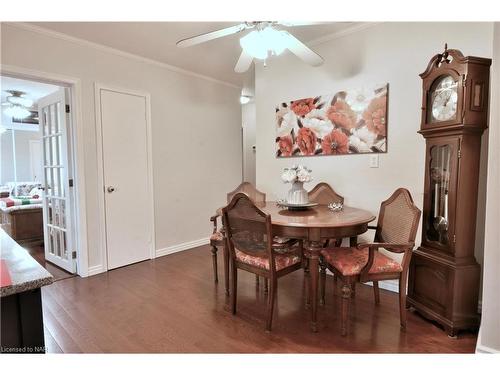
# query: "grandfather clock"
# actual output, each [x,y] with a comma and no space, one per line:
[444,275]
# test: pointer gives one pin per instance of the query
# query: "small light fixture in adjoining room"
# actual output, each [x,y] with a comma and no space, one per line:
[244,99]
[17,104]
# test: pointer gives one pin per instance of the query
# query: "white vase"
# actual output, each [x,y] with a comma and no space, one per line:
[297,194]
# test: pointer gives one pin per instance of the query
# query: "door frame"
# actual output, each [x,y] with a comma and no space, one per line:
[78,154]
[100,167]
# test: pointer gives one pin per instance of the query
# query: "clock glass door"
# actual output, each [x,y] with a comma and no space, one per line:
[440,189]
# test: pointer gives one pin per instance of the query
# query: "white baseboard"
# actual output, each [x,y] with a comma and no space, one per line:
[486,350]
[182,246]
[94,270]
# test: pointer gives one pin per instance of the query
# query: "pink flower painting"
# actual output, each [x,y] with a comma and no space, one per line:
[348,122]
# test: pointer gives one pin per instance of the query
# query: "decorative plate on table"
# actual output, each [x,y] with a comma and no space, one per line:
[296,206]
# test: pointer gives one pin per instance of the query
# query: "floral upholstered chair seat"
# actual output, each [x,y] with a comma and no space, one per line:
[351,260]
[283,259]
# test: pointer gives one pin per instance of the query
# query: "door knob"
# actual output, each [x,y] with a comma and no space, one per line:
[110,189]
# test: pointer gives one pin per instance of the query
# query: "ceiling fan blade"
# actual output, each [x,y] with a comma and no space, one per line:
[243,63]
[303,52]
[212,35]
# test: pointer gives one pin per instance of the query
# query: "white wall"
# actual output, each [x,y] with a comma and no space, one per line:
[389,52]
[196,130]
[489,337]
[23,159]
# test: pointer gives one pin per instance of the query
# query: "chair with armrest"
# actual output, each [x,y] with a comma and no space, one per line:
[395,232]
[251,247]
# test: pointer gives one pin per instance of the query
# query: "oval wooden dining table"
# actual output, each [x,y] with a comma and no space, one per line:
[315,225]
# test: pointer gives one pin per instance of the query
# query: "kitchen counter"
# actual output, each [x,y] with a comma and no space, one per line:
[21,302]
[25,272]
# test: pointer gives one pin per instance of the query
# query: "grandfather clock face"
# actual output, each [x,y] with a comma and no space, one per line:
[443,99]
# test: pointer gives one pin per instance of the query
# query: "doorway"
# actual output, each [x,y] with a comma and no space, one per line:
[37,200]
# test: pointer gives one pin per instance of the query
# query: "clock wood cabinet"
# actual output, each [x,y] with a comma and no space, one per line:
[444,275]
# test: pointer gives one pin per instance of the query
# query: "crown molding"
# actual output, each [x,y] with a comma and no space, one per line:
[115,51]
[358,26]
[83,42]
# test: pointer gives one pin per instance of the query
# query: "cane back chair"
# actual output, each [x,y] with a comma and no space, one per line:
[217,238]
[323,194]
[251,248]
[395,232]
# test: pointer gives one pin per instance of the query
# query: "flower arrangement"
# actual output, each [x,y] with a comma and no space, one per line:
[349,122]
[297,173]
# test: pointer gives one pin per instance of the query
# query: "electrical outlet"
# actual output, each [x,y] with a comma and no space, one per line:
[374,161]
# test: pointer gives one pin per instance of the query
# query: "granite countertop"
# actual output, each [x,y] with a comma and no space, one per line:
[25,272]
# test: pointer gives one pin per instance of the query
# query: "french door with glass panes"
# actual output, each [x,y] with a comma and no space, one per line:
[56,197]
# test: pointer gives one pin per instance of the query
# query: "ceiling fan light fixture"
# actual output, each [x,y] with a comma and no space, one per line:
[277,41]
[17,111]
[254,44]
[260,43]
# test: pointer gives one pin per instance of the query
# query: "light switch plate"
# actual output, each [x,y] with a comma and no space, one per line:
[374,161]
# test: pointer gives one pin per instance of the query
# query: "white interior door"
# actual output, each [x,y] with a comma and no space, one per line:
[127,197]
[56,202]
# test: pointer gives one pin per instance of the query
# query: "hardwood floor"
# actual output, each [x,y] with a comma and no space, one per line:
[38,253]
[171,305]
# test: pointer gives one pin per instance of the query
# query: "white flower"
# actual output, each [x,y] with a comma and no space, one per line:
[317,113]
[288,121]
[320,126]
[359,99]
[365,135]
[303,175]
[358,144]
[289,175]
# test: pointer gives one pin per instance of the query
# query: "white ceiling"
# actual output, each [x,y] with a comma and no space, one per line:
[33,90]
[156,41]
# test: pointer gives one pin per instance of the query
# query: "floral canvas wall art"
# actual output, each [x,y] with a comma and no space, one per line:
[348,122]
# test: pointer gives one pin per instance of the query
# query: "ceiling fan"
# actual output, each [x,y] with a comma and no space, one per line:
[265,39]
[17,105]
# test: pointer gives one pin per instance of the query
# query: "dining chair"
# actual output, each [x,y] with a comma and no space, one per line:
[395,232]
[217,238]
[249,238]
[323,194]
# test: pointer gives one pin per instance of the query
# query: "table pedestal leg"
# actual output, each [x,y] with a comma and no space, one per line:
[312,251]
